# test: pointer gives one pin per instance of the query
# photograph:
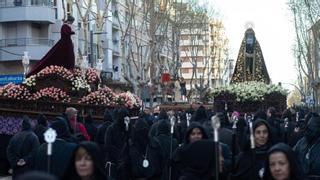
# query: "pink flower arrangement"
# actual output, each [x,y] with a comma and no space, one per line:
[77,72]
[13,91]
[104,96]
[57,71]
[52,93]
[92,75]
[129,100]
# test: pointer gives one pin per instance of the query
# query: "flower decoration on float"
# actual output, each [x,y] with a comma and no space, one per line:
[51,94]
[13,91]
[92,76]
[249,91]
[129,100]
[103,96]
[58,71]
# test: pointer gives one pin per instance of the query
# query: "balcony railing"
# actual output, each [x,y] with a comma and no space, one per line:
[25,42]
[15,3]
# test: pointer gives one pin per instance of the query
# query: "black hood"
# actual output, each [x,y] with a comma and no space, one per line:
[140,135]
[269,143]
[191,127]
[26,124]
[42,120]
[295,170]
[201,115]
[163,127]
[312,131]
[107,117]
[198,158]
[120,114]
[95,154]
[59,124]
[163,115]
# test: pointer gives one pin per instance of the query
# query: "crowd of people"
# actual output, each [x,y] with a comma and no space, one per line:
[170,146]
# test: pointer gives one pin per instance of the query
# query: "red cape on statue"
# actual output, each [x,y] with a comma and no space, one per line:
[61,54]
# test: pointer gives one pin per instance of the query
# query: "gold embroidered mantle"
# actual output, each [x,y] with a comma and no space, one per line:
[259,70]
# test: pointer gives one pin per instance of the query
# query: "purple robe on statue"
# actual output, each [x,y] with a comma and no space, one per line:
[61,54]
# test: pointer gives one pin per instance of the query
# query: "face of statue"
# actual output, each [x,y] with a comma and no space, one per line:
[261,135]
[195,135]
[279,166]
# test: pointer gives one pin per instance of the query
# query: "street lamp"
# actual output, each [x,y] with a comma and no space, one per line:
[25,63]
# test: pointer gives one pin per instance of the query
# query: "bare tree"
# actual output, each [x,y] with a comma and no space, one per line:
[84,9]
[100,14]
[305,15]
[199,53]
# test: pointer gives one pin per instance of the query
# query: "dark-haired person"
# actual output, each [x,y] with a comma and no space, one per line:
[86,163]
[307,149]
[246,169]
[61,54]
[282,164]
[194,133]
[22,146]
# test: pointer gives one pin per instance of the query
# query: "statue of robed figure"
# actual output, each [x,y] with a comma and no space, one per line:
[250,65]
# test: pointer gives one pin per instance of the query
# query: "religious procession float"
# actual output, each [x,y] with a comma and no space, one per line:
[250,88]
[55,88]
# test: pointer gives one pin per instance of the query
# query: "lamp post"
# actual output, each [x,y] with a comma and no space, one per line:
[25,63]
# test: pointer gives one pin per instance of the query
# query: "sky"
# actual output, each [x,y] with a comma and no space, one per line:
[273,28]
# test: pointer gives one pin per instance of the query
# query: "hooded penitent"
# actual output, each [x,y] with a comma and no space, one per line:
[94,152]
[197,158]
[245,167]
[295,169]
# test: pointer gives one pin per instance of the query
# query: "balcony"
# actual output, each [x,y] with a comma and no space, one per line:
[37,48]
[27,10]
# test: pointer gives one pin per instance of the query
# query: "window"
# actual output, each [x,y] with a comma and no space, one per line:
[184,59]
[11,34]
[184,37]
[185,71]
[200,71]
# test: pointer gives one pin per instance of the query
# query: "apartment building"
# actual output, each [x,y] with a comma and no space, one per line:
[25,26]
[203,51]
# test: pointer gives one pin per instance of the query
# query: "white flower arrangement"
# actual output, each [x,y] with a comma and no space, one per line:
[30,81]
[79,83]
[253,91]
